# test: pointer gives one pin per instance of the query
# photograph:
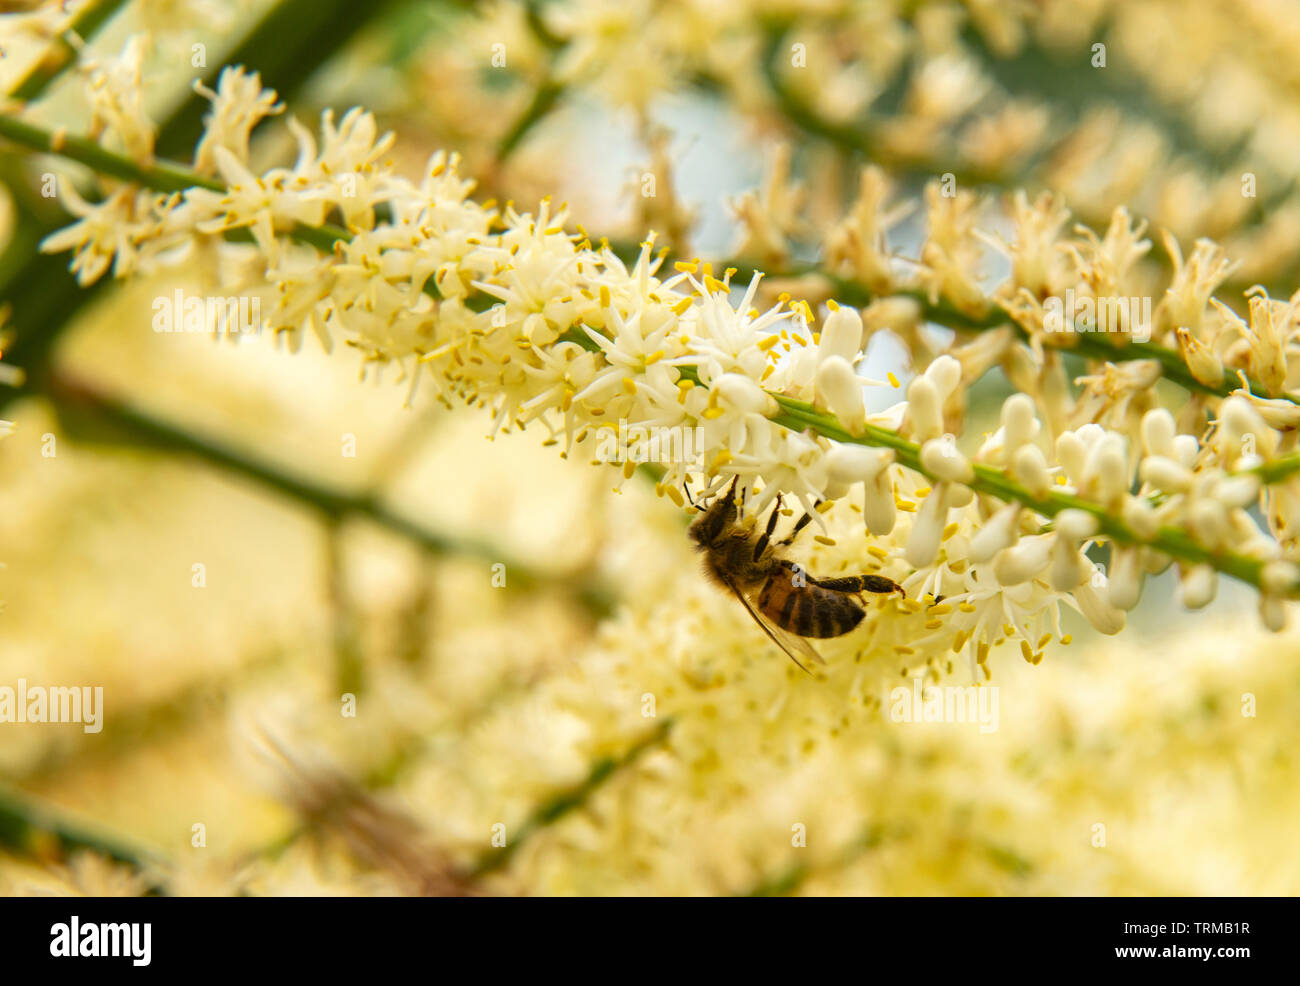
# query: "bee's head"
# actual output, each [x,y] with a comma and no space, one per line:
[709,526]
[699,531]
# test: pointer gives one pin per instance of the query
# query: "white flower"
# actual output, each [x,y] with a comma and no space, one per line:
[114,232]
[116,97]
[238,105]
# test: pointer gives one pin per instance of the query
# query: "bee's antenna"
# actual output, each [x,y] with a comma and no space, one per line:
[686,485]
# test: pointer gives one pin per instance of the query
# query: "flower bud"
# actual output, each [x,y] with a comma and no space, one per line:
[1072,454]
[1067,566]
[1107,470]
[1279,577]
[1196,585]
[878,509]
[1125,582]
[1154,562]
[1237,491]
[1273,612]
[744,394]
[841,335]
[1166,474]
[1140,516]
[1158,431]
[924,414]
[1019,421]
[927,529]
[1103,617]
[1208,523]
[848,463]
[839,390]
[945,373]
[1077,525]
[1023,562]
[1030,467]
[941,459]
[1186,448]
[959,495]
[1238,419]
[999,532]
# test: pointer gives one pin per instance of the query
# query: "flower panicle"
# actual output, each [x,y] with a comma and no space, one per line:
[510,310]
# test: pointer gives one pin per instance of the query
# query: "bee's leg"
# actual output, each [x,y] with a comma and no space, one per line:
[859,583]
[803,522]
[762,542]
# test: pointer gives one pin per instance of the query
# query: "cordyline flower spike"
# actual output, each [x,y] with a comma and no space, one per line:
[510,310]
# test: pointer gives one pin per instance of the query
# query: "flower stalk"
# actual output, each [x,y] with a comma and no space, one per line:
[796,415]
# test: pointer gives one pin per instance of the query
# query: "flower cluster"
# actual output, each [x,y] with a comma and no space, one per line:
[699,750]
[512,311]
[837,70]
[1110,444]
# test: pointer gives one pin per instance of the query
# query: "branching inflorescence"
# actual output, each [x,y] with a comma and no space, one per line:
[515,312]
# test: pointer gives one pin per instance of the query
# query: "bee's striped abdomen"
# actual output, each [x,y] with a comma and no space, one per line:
[807,610]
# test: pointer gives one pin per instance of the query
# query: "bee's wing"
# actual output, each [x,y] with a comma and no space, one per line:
[794,647]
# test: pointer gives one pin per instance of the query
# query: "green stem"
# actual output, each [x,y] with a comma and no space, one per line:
[790,879]
[33,831]
[171,177]
[800,415]
[161,176]
[546,95]
[537,24]
[796,414]
[561,804]
[291,42]
[544,99]
[72,396]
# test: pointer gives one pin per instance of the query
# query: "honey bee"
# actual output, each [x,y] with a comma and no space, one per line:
[785,601]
